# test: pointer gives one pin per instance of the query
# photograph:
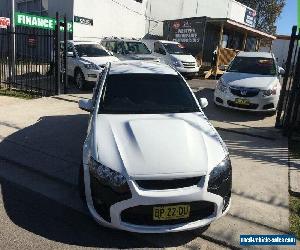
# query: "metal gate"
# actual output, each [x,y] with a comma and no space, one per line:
[38,64]
[288,114]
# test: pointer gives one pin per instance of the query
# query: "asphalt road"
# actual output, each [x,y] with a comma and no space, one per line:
[40,145]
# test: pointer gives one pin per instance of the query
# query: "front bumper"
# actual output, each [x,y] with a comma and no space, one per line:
[91,75]
[141,197]
[188,71]
[258,103]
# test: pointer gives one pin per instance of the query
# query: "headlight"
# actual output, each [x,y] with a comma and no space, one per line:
[177,63]
[270,92]
[91,66]
[108,177]
[220,178]
[222,86]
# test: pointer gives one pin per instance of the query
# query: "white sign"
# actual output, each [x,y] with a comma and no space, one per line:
[250,17]
[4,22]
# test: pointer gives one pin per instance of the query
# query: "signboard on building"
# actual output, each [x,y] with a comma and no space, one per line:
[4,22]
[250,17]
[185,32]
[188,32]
[83,20]
[39,22]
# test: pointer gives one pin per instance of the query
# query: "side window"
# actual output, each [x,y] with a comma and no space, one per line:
[119,48]
[70,48]
[158,48]
[111,46]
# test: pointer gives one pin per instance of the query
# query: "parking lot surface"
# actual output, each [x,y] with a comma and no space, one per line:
[40,154]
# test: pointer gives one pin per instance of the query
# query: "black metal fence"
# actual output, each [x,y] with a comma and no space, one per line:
[37,66]
[288,114]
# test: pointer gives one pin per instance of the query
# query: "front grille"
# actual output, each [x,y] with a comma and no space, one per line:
[143,215]
[235,105]
[244,92]
[189,64]
[168,184]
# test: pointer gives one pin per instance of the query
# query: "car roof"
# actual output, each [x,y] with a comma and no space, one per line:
[255,54]
[122,39]
[165,41]
[140,67]
[83,42]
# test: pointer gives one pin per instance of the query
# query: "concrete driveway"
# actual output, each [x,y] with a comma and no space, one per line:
[40,153]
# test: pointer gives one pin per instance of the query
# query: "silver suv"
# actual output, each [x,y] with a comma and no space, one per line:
[129,49]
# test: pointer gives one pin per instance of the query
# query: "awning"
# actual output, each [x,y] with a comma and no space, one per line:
[242,27]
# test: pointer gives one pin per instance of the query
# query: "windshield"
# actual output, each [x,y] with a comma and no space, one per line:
[90,50]
[146,94]
[136,48]
[253,65]
[176,48]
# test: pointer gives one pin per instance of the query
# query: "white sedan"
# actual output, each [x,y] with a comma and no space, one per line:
[152,162]
[252,82]
[86,61]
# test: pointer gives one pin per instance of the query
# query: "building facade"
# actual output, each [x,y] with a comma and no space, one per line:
[180,9]
[93,19]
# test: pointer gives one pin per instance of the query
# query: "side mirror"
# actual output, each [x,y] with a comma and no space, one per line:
[70,54]
[86,105]
[203,103]
[111,53]
[281,71]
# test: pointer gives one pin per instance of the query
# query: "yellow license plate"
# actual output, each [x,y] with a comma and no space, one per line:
[171,212]
[242,101]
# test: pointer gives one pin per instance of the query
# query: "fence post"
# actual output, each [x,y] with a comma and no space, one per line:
[57,56]
[65,56]
[10,78]
[286,77]
[291,103]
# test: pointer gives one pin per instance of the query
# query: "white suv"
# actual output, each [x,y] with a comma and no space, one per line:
[174,54]
[86,60]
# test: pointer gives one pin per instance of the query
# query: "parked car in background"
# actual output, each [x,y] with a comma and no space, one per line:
[175,55]
[251,82]
[152,162]
[86,60]
[129,49]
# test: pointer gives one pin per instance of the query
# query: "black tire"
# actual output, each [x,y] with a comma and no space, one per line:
[79,80]
[81,186]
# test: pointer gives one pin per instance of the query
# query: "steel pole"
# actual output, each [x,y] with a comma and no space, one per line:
[13,26]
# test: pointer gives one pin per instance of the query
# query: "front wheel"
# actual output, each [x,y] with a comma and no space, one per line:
[79,80]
